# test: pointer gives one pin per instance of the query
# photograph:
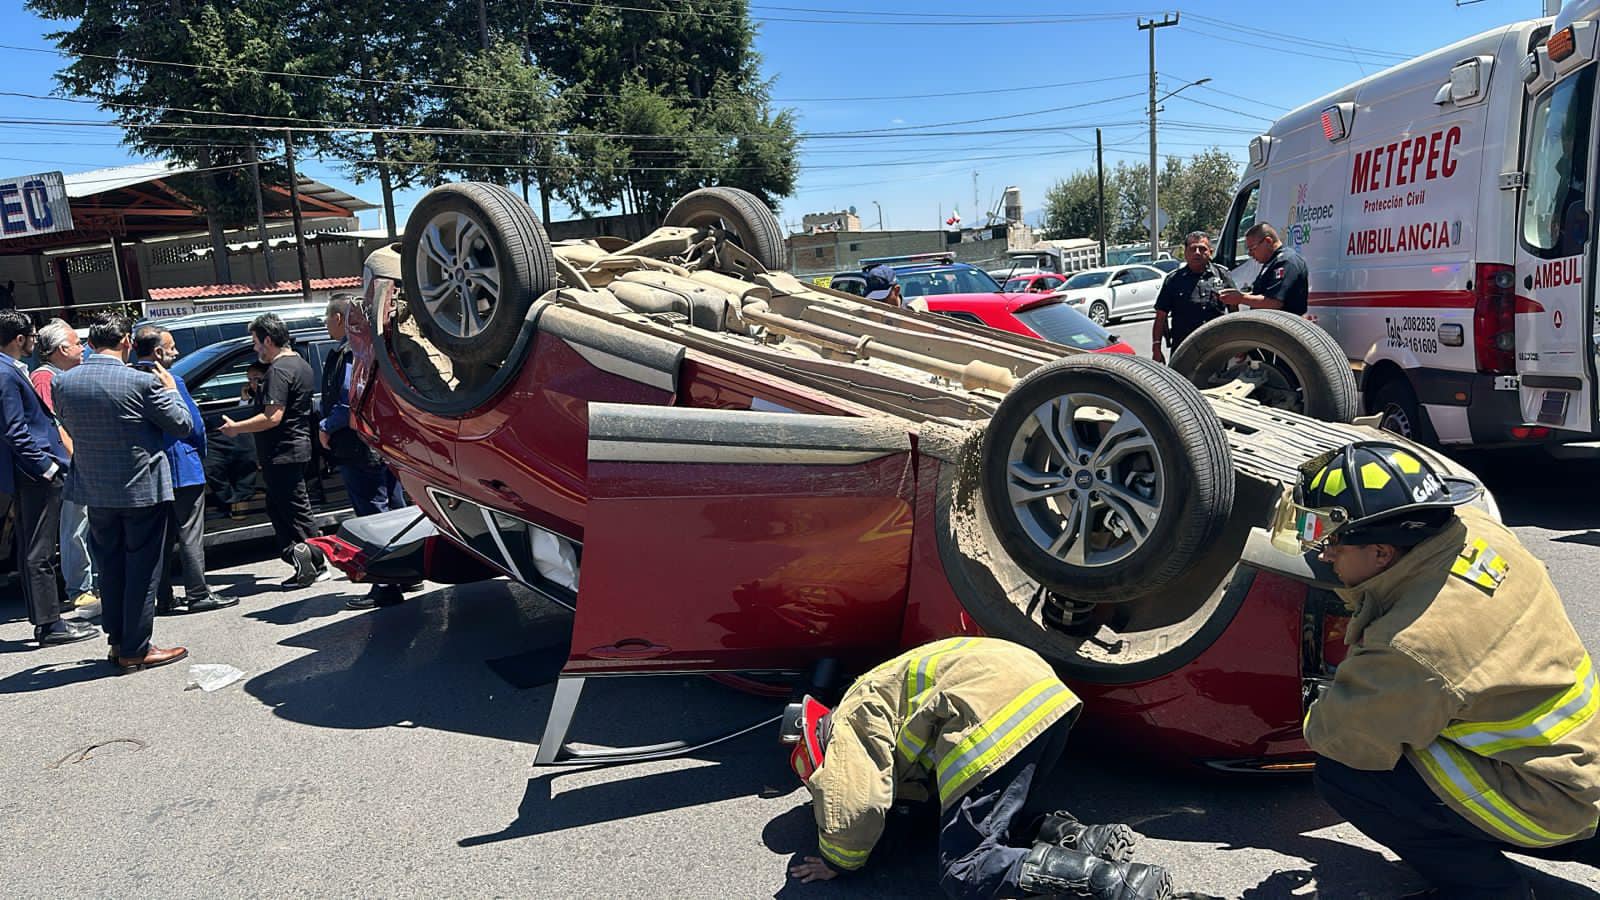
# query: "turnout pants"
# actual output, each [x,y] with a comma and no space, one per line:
[1398,810]
[38,528]
[128,546]
[976,855]
[186,529]
[288,506]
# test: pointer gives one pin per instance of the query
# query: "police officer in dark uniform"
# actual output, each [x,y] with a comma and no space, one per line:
[1283,282]
[1190,296]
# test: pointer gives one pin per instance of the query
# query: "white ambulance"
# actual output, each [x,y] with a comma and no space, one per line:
[1446,211]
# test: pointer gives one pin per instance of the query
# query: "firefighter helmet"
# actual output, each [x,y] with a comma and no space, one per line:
[804,726]
[1375,492]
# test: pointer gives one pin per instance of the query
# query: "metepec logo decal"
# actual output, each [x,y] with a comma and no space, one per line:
[1306,218]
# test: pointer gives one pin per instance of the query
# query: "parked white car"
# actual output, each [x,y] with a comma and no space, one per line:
[1112,293]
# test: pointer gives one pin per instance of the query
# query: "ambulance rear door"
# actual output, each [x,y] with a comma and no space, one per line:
[1555,266]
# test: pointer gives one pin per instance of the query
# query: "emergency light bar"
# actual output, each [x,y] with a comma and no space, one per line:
[1336,121]
[940,258]
[1561,44]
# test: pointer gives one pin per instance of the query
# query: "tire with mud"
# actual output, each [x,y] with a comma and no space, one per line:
[1298,366]
[474,259]
[1106,478]
[747,220]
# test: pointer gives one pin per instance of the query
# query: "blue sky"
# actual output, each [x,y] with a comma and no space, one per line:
[1013,64]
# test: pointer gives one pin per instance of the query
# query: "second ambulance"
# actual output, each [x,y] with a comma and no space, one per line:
[1446,210]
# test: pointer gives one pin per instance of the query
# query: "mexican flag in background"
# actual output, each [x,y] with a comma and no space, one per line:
[955,218]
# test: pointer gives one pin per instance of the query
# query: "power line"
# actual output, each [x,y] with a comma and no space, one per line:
[1282,38]
[922,19]
[1293,51]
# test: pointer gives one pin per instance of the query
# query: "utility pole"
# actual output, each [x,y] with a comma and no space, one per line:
[294,208]
[1155,209]
[261,215]
[1100,168]
[975,198]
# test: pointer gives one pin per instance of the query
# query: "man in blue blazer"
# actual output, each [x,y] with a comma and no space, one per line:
[186,456]
[117,416]
[32,463]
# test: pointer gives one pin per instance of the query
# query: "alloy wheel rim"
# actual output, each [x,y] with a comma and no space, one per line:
[1085,480]
[458,275]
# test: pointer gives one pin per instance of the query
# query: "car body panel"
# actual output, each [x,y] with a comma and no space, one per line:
[1128,290]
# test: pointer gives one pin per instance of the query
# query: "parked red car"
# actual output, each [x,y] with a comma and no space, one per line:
[724,470]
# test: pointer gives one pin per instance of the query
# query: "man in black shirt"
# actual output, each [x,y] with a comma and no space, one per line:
[283,445]
[1189,297]
[1283,282]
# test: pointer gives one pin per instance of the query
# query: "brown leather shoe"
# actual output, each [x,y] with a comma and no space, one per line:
[155,656]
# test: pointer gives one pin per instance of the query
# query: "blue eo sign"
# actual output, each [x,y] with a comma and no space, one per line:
[34,204]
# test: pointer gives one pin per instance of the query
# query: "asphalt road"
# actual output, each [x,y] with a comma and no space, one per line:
[387,753]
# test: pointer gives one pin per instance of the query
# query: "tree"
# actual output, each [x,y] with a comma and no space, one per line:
[505,92]
[206,70]
[1208,191]
[377,72]
[672,100]
[1072,206]
[1128,199]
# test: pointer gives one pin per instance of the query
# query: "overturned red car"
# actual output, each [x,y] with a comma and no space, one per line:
[724,470]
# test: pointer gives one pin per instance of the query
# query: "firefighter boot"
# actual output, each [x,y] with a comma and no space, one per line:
[1057,871]
[1112,842]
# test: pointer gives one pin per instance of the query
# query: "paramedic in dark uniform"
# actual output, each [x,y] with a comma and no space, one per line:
[1283,282]
[1190,296]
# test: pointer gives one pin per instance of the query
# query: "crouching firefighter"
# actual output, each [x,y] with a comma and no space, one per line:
[1462,723]
[982,722]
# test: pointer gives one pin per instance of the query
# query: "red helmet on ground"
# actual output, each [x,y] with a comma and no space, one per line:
[804,726]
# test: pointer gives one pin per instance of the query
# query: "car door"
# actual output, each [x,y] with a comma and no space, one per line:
[1126,290]
[1147,284]
[1553,285]
[323,481]
[790,539]
[234,497]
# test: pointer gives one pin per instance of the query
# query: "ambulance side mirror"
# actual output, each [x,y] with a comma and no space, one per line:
[1469,82]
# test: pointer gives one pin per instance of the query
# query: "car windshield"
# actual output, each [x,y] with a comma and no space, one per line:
[946,281]
[1059,323]
[1017,286]
[1087,280]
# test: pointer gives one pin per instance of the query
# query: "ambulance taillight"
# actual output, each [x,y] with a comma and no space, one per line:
[1494,336]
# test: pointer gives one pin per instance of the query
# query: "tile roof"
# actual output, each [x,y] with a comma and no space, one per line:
[204,291]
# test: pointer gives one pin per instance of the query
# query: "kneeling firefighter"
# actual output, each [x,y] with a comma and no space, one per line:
[1462,723]
[983,722]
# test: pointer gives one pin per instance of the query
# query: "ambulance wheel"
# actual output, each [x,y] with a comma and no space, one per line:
[1294,364]
[473,260]
[1396,403]
[1105,477]
[745,219]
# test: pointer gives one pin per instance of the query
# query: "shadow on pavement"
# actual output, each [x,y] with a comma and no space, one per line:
[743,770]
[1534,488]
[45,676]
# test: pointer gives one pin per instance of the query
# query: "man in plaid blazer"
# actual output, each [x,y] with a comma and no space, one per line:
[117,416]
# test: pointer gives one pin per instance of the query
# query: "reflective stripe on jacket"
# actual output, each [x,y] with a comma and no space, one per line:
[947,715]
[1464,662]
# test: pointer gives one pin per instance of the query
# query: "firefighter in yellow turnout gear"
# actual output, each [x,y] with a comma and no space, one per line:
[1462,723]
[979,723]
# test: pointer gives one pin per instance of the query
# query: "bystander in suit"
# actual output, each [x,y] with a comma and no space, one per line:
[186,523]
[59,349]
[118,416]
[32,462]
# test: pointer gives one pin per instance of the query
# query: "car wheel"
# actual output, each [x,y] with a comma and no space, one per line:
[474,258]
[1105,478]
[747,221]
[1099,313]
[1397,404]
[1295,364]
